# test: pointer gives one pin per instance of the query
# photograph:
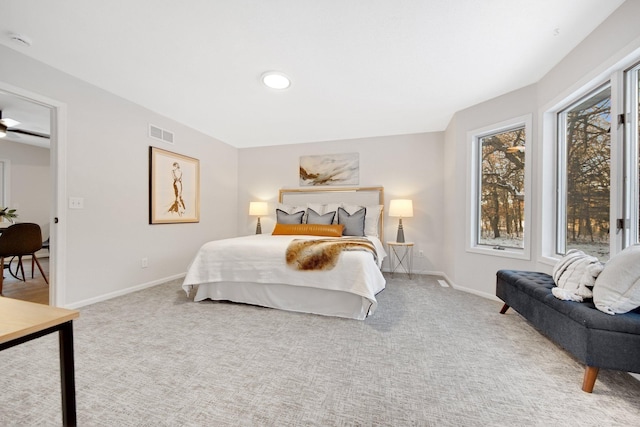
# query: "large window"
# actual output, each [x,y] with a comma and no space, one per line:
[632,135]
[584,175]
[499,187]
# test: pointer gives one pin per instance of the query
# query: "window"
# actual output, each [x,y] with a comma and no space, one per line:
[632,136]
[584,175]
[499,182]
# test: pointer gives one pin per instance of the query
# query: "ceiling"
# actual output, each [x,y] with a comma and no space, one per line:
[358,68]
[32,117]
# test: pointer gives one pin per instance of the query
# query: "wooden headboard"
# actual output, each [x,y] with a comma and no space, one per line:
[363,196]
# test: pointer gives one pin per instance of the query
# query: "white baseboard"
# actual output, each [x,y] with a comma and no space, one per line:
[121,292]
[475,292]
[460,288]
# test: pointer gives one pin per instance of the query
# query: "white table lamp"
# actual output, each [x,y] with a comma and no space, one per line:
[401,208]
[258,209]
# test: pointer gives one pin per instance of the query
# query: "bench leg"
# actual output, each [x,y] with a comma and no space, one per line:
[589,381]
[504,309]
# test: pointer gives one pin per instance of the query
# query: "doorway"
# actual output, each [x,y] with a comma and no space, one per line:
[49,182]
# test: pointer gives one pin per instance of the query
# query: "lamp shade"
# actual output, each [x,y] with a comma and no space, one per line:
[402,208]
[258,208]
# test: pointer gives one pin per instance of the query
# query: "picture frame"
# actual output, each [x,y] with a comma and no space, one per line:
[329,169]
[174,187]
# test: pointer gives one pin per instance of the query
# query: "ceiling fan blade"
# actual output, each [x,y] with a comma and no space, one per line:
[28,132]
[7,121]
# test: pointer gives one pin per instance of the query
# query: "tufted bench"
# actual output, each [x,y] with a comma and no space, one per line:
[597,339]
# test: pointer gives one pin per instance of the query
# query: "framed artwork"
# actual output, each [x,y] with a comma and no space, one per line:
[332,169]
[174,187]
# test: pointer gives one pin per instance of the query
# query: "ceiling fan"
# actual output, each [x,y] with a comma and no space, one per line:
[6,125]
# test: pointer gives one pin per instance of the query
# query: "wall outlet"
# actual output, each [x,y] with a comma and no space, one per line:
[420,253]
[76,203]
[144,262]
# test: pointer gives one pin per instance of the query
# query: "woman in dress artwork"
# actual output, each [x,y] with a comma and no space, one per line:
[178,203]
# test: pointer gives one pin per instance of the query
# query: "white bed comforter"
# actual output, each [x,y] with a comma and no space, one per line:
[261,259]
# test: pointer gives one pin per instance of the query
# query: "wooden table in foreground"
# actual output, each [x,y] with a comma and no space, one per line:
[22,321]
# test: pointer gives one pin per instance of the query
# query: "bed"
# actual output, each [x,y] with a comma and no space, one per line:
[253,269]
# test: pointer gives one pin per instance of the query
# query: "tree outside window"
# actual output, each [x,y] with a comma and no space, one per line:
[585,175]
[501,208]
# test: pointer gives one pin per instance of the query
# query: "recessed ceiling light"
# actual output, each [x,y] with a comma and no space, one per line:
[275,80]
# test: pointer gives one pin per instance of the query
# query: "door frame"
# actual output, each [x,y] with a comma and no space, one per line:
[57,211]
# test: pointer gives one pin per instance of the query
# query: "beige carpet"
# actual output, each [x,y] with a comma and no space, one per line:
[430,356]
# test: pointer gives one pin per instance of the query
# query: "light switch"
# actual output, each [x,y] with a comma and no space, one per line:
[76,202]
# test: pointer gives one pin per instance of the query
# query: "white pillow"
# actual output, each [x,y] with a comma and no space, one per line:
[291,208]
[617,289]
[371,219]
[574,274]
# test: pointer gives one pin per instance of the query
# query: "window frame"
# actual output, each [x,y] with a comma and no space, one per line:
[631,157]
[474,166]
[560,179]
[625,170]
[5,195]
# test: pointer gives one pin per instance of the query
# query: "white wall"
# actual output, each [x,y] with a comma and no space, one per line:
[472,271]
[107,164]
[615,39]
[407,166]
[29,189]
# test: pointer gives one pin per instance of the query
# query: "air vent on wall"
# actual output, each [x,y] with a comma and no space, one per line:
[160,134]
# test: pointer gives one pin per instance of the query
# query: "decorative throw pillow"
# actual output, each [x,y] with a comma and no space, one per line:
[285,218]
[574,275]
[325,208]
[617,289]
[353,224]
[314,217]
[309,230]
[371,220]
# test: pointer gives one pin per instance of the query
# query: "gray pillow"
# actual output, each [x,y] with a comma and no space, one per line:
[314,217]
[354,223]
[284,218]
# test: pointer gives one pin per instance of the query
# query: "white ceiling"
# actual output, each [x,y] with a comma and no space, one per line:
[32,117]
[359,68]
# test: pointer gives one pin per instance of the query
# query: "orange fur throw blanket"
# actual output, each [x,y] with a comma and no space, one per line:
[323,254]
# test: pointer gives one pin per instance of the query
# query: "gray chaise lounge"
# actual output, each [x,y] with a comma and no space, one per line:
[597,339]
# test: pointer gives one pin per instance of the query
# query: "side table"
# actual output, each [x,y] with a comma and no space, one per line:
[22,321]
[401,255]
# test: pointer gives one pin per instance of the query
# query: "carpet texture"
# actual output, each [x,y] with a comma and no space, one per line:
[429,356]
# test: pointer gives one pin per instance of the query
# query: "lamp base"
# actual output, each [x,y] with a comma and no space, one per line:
[258,227]
[400,236]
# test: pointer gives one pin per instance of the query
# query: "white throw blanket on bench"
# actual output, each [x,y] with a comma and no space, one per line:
[574,275]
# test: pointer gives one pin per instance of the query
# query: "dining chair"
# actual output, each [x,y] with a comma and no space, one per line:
[19,240]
